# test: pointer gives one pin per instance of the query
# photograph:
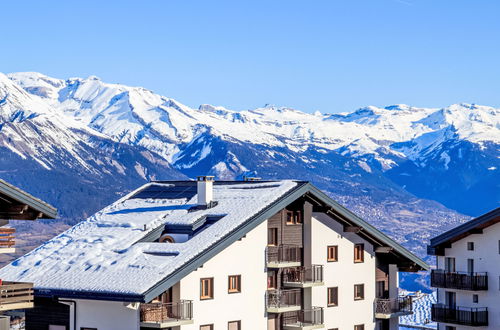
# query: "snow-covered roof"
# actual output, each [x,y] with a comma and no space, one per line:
[112,255]
[105,254]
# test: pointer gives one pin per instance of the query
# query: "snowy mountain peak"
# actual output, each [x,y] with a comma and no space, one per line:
[53,120]
[137,116]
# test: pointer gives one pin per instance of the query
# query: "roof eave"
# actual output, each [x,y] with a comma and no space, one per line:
[48,211]
[464,229]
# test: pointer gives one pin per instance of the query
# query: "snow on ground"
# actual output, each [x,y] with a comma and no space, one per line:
[93,254]
[421,317]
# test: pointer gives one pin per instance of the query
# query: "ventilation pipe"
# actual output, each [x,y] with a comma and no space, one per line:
[205,190]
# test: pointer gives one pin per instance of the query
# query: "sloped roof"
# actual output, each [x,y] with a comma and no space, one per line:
[87,260]
[37,208]
[474,226]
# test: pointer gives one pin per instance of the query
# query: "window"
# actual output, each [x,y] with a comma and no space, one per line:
[293,217]
[475,298]
[234,325]
[297,216]
[449,264]
[333,296]
[272,236]
[332,253]
[207,327]
[470,246]
[166,239]
[359,255]
[206,288]
[359,291]
[470,266]
[359,327]
[234,284]
[271,280]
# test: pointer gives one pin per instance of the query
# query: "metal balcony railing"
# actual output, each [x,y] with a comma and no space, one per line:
[283,298]
[312,274]
[165,312]
[459,280]
[460,315]
[307,317]
[393,305]
[284,254]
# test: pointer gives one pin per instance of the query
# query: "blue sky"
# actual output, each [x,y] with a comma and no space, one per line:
[312,55]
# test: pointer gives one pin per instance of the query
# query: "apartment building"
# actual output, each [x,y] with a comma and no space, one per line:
[16,204]
[205,255]
[467,274]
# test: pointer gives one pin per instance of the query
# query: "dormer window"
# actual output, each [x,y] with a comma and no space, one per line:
[166,239]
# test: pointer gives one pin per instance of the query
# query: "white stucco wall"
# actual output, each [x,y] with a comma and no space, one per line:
[343,274]
[104,315]
[486,259]
[246,258]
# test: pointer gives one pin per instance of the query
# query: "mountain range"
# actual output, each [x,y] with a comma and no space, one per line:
[80,143]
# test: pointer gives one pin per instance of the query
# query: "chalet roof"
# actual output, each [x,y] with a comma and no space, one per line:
[19,205]
[474,226]
[112,256]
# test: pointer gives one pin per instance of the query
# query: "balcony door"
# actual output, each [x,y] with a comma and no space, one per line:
[451,299]
[470,266]
[449,264]
[381,291]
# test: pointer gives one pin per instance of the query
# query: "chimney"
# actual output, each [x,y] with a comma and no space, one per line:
[205,190]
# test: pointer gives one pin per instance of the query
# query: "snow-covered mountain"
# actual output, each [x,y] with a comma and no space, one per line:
[64,161]
[389,164]
[450,155]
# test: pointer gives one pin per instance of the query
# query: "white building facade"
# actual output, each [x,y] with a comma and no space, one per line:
[467,275]
[300,262]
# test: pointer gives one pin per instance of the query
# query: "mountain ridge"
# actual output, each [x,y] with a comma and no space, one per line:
[80,143]
[379,139]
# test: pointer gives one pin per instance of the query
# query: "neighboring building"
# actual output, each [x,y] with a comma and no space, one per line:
[467,274]
[16,204]
[218,255]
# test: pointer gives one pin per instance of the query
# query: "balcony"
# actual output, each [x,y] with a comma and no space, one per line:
[281,301]
[459,280]
[7,240]
[393,307]
[474,317]
[16,295]
[304,319]
[303,277]
[166,315]
[283,256]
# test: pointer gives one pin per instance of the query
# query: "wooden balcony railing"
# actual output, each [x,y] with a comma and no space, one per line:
[284,298]
[393,305]
[313,274]
[459,280]
[284,254]
[16,295]
[7,237]
[166,312]
[308,317]
[460,315]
